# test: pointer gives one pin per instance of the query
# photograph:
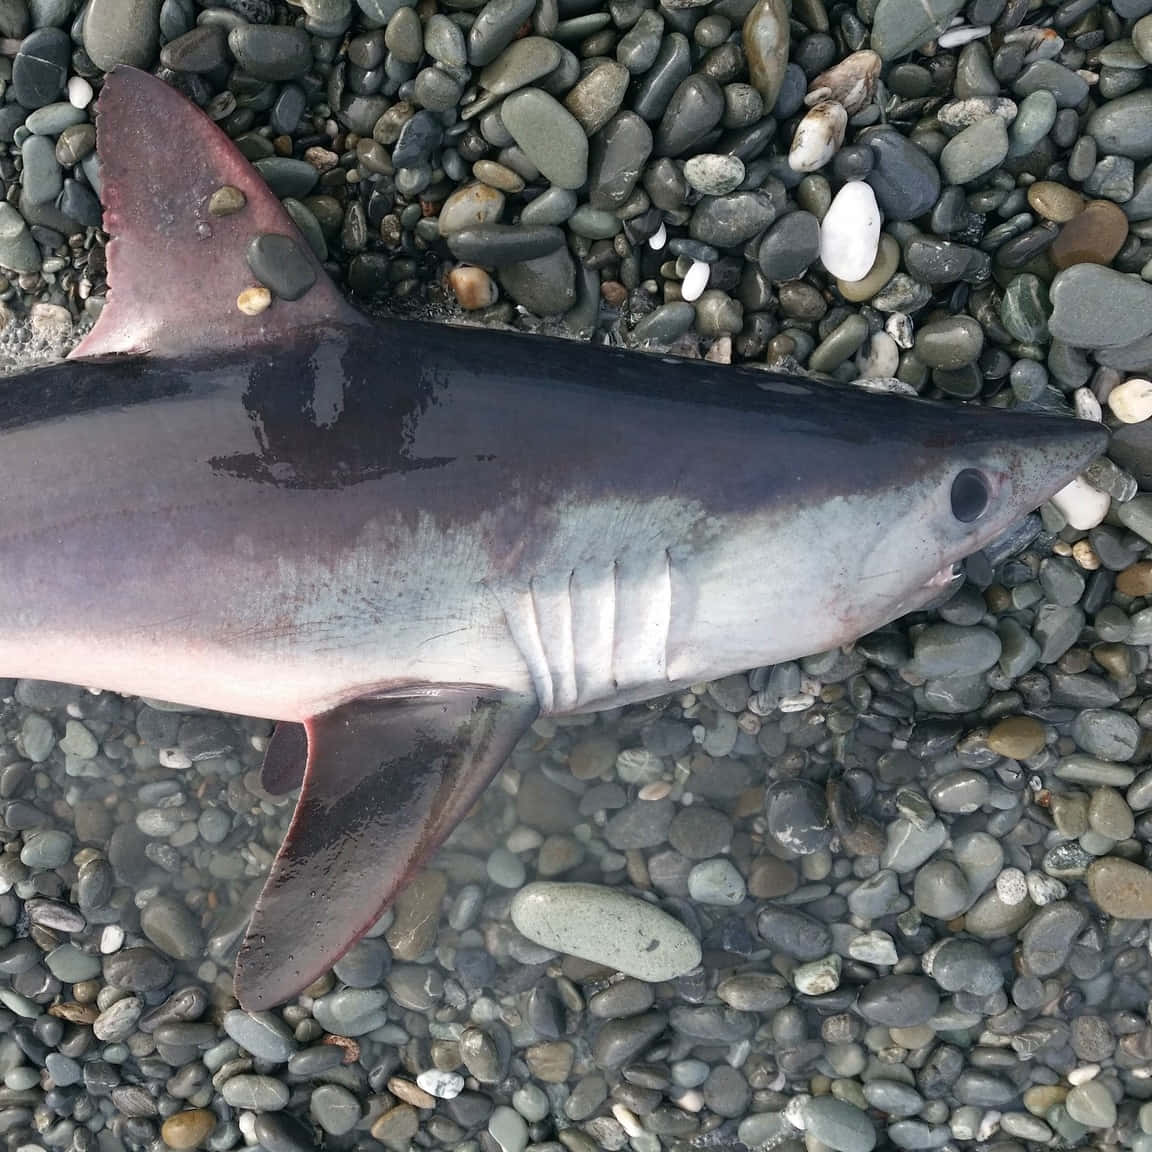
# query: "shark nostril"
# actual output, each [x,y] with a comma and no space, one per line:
[970,496]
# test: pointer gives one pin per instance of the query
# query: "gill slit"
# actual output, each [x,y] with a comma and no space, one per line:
[667,611]
[547,688]
[614,617]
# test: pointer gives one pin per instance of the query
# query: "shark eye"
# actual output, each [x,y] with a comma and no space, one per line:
[970,496]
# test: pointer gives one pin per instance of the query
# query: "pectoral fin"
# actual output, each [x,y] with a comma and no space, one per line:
[387,779]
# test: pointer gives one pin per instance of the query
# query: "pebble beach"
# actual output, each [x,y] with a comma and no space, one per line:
[896,896]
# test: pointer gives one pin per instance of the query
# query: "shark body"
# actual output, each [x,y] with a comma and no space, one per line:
[413,539]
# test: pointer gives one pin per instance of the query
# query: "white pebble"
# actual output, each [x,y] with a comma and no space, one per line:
[442,1085]
[989,1123]
[850,232]
[79,92]
[693,285]
[801,702]
[794,1109]
[1083,1074]
[1131,402]
[111,939]
[522,839]
[873,948]
[50,321]
[657,790]
[627,1120]
[1082,505]
[954,37]
[880,357]
[1045,889]
[899,327]
[658,239]
[818,137]
[174,758]
[1086,404]
[1012,886]
[818,977]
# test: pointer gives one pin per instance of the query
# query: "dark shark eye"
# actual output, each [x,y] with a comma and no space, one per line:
[970,496]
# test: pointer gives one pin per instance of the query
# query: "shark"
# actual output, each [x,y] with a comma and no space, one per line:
[405,541]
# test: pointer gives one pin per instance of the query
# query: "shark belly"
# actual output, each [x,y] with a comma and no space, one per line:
[202,617]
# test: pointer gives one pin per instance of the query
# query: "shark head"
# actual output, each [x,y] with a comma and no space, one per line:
[876,504]
[991,472]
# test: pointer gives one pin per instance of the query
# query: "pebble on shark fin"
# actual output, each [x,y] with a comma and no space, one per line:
[280,264]
[254,300]
[226,201]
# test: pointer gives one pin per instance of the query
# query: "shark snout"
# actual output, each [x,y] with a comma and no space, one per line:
[1047,453]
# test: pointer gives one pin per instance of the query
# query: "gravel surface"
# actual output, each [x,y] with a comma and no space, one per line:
[896,896]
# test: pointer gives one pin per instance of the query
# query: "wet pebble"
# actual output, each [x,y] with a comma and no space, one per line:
[188,1129]
[838,1124]
[898,1001]
[797,816]
[978,149]
[1097,307]
[280,265]
[1091,1104]
[714,175]
[335,1109]
[790,246]
[549,134]
[1121,888]
[259,1093]
[261,1033]
[648,943]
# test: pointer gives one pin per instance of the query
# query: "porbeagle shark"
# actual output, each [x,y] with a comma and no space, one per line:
[407,541]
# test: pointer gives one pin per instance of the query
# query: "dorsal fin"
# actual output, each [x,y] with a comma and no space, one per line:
[175,270]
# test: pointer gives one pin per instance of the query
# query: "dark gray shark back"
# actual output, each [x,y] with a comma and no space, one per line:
[338,407]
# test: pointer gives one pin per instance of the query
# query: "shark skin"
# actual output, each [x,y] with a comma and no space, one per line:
[405,541]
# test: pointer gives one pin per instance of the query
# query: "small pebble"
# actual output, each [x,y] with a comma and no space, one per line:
[252,301]
[1131,402]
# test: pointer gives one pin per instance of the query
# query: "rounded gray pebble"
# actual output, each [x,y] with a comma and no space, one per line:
[898,1001]
[263,1034]
[259,1093]
[280,264]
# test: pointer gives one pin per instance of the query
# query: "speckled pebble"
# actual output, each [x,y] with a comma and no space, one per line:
[644,941]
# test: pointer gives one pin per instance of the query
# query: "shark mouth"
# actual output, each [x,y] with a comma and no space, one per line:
[942,586]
